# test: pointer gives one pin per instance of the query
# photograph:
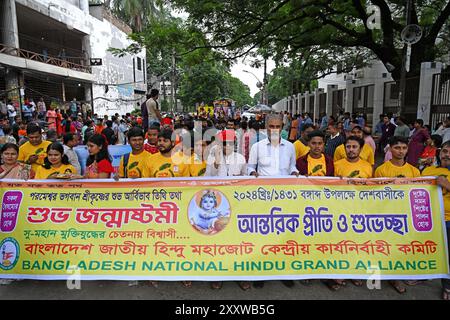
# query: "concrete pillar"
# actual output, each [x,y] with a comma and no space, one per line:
[425,89]
[10,37]
[349,95]
[307,107]
[315,114]
[330,89]
[299,104]
[10,31]
[378,101]
[88,92]
[84,5]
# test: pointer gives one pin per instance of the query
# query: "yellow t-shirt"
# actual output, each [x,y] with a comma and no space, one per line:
[300,149]
[366,154]
[388,170]
[196,169]
[346,169]
[437,171]
[138,166]
[42,173]
[317,167]
[27,149]
[162,167]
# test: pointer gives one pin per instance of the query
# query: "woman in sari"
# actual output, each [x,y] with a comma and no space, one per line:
[11,168]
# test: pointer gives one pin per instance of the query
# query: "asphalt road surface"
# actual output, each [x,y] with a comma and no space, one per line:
[272,290]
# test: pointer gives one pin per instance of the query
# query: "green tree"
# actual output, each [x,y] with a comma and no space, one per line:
[282,27]
[238,91]
[202,83]
[136,13]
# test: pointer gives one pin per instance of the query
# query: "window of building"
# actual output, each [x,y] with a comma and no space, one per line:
[139,63]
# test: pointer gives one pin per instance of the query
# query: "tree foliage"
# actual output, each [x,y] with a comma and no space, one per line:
[200,75]
[284,27]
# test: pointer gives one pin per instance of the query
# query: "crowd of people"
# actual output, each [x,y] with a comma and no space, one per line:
[41,146]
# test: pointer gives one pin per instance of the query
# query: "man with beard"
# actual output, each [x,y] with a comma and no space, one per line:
[166,163]
[397,167]
[443,173]
[352,166]
[366,153]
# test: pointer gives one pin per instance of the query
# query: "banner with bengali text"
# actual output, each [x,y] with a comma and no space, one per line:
[241,228]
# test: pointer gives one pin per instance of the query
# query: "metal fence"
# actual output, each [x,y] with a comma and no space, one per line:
[440,98]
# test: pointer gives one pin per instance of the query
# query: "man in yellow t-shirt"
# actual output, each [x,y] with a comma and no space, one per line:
[193,151]
[352,166]
[316,162]
[165,163]
[301,145]
[443,174]
[35,150]
[366,151]
[137,162]
[397,167]
[197,167]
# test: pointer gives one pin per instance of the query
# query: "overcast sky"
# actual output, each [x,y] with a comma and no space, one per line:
[247,78]
[237,69]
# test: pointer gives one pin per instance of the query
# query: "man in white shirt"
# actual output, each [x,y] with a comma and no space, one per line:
[152,108]
[272,156]
[225,162]
[444,130]
[11,112]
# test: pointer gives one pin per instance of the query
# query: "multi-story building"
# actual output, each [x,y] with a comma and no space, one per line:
[47,48]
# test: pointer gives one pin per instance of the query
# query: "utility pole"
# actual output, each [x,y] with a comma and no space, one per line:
[402,94]
[172,89]
[164,90]
[265,95]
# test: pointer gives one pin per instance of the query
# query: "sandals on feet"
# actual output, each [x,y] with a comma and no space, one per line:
[305,282]
[358,283]
[397,286]
[446,294]
[413,282]
[244,285]
[332,284]
[154,284]
[186,284]
[216,285]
